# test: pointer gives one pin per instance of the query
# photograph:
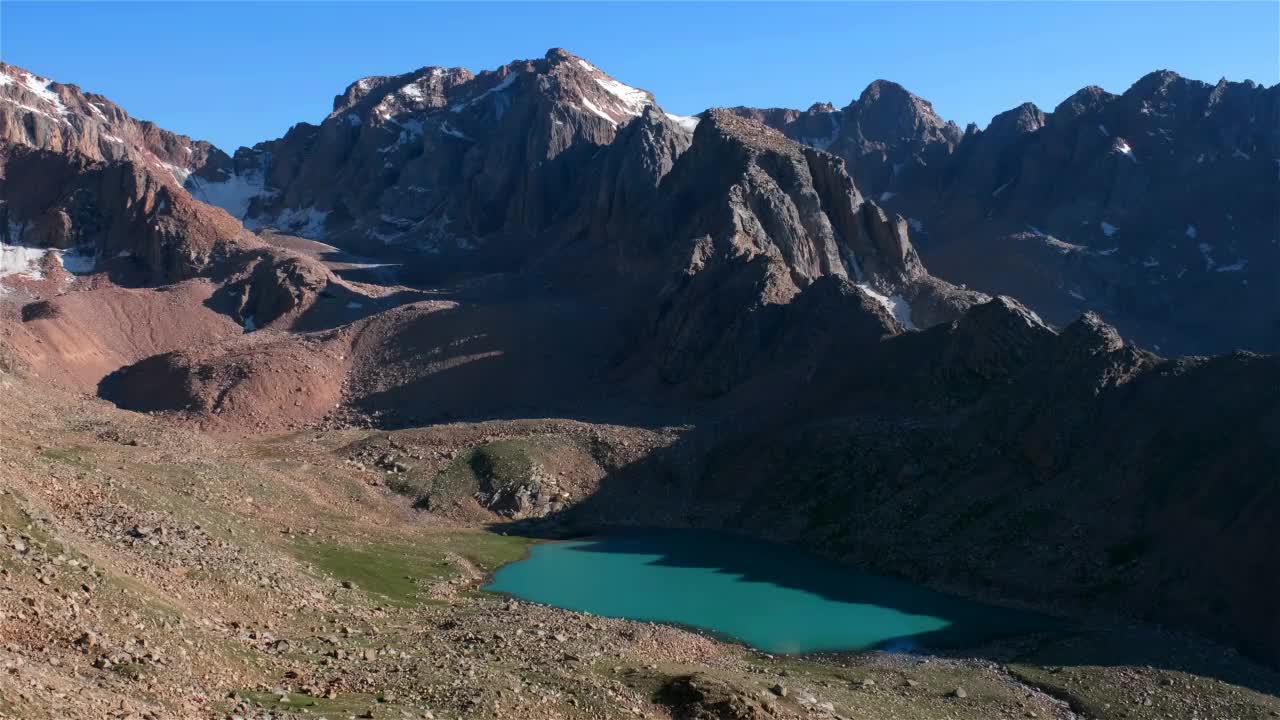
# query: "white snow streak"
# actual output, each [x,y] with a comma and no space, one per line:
[1123,148]
[895,304]
[305,222]
[686,122]
[233,194]
[633,99]
[592,107]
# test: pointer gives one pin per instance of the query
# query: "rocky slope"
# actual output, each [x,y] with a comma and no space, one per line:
[149,572]
[1154,207]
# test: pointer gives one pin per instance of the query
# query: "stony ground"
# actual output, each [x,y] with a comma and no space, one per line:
[154,572]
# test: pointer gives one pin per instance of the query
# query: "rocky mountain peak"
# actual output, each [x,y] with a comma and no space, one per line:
[886,91]
[1085,100]
[557,54]
[1157,83]
[1092,335]
[1021,120]
[886,110]
[423,89]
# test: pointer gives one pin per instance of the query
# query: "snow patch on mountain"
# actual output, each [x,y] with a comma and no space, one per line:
[592,107]
[31,109]
[304,222]
[633,100]
[685,122]
[178,172]
[77,261]
[506,83]
[40,88]
[1108,229]
[1122,147]
[233,194]
[24,261]
[21,260]
[895,304]
[413,92]
[410,130]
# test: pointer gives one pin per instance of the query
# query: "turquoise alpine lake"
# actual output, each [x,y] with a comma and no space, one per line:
[772,597]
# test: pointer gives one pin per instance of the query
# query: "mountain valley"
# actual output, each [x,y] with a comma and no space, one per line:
[271,418]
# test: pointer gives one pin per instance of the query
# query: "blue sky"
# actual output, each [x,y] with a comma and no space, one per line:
[238,72]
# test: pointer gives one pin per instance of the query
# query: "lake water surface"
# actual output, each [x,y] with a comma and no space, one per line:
[775,598]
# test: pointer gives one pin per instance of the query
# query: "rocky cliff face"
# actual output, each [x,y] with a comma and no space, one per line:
[750,220]
[438,160]
[1154,207]
[39,113]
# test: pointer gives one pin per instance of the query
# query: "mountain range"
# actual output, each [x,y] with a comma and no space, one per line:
[866,330]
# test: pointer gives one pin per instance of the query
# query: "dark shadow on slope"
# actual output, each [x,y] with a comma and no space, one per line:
[336,306]
[530,355]
[935,495]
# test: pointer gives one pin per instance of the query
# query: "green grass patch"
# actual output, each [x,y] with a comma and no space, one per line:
[499,464]
[395,573]
[73,456]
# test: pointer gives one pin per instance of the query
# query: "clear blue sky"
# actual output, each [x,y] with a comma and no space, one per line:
[237,72]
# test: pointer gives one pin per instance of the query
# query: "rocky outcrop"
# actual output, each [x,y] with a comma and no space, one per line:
[270,285]
[137,224]
[703,697]
[752,219]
